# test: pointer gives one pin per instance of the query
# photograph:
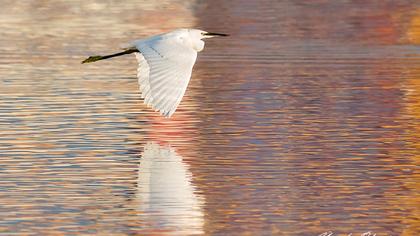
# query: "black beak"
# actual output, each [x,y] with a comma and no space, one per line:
[215,34]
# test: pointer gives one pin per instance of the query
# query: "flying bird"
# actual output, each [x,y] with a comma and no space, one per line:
[165,65]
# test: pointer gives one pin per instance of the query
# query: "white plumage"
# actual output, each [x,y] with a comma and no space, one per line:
[165,66]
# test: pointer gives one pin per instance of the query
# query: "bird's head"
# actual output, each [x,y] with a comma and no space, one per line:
[195,37]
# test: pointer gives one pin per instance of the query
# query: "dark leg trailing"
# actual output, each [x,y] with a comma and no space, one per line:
[98,58]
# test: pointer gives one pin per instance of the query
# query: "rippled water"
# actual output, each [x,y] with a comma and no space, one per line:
[305,120]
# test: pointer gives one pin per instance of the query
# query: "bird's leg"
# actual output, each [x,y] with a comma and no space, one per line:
[97,58]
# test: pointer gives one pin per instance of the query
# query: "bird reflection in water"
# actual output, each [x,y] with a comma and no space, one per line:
[165,191]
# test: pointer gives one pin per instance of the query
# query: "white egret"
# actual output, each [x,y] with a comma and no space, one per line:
[165,65]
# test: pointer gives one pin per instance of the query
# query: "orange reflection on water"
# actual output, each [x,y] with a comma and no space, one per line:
[305,120]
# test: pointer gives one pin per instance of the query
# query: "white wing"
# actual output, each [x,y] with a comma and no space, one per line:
[164,71]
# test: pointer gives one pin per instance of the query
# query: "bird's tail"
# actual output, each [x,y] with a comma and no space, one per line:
[98,58]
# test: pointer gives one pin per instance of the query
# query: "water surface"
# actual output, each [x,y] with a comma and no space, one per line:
[305,120]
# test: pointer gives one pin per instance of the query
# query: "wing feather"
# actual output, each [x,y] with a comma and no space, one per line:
[165,68]
[143,71]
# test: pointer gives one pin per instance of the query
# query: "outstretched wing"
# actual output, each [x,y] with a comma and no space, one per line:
[164,71]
